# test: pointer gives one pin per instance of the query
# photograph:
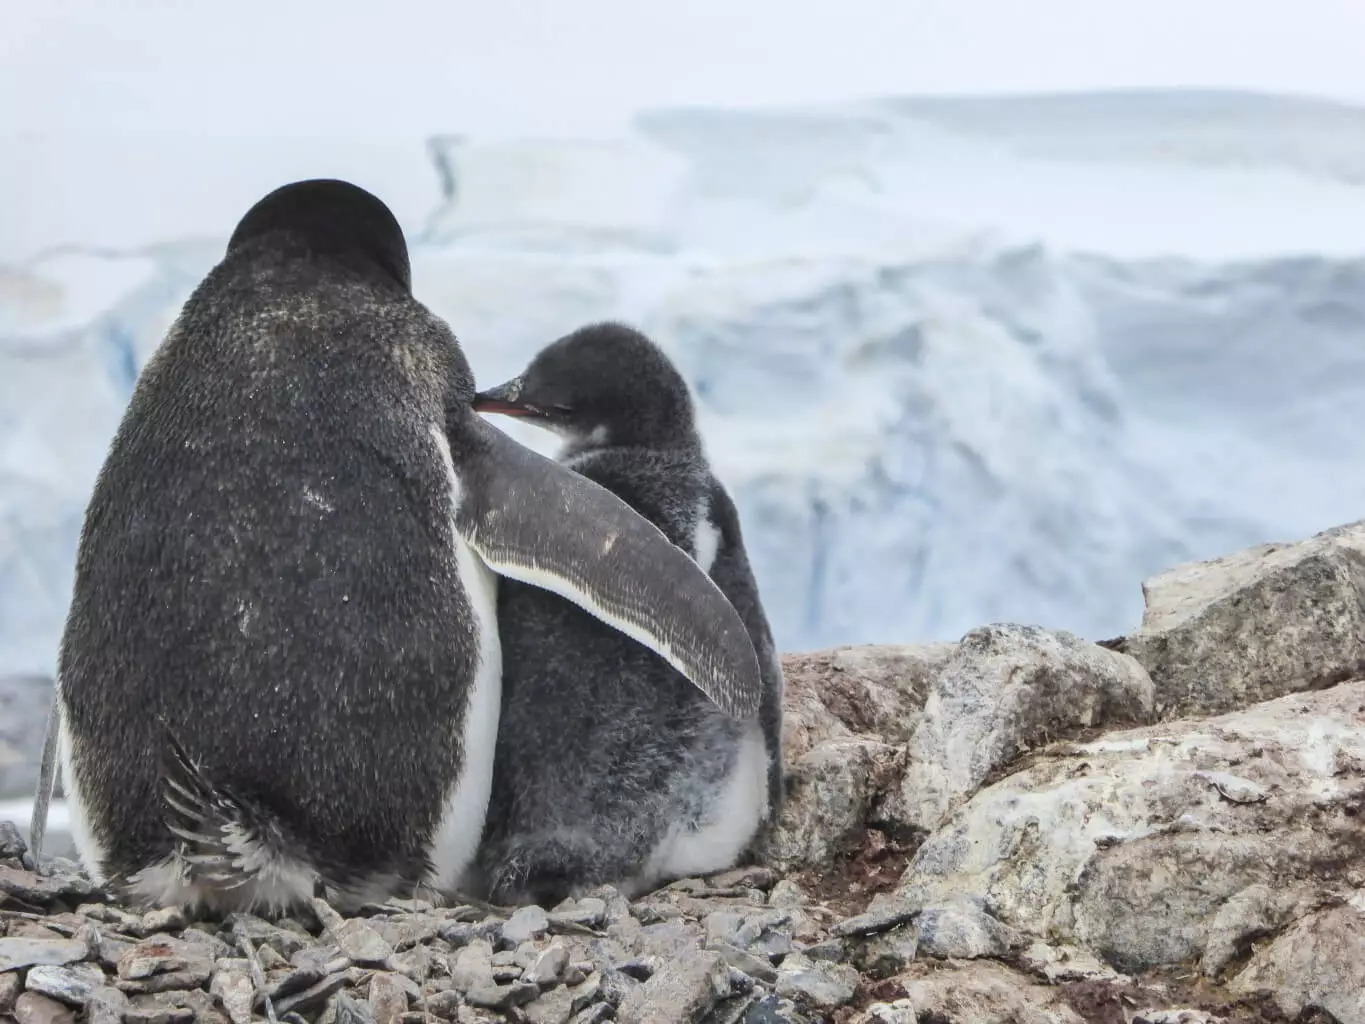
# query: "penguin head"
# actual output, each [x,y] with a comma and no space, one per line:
[330,217]
[604,384]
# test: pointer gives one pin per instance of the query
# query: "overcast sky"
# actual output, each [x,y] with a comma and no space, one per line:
[284,89]
[324,66]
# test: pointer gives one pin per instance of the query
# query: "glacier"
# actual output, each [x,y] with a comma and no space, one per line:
[959,359]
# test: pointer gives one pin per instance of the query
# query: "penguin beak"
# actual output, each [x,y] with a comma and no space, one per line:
[506,399]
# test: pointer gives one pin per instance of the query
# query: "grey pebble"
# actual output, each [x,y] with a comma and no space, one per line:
[816,983]
[25,952]
[548,966]
[32,1008]
[106,1005]
[554,1007]
[361,943]
[525,923]
[590,911]
[72,985]
[500,997]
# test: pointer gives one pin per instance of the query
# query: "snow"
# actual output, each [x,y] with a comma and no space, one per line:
[959,360]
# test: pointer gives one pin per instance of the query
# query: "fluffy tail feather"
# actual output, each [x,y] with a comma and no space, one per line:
[232,851]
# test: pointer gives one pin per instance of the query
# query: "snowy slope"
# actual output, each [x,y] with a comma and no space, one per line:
[959,360]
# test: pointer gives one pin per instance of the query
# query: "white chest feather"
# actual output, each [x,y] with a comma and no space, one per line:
[705,537]
[466,802]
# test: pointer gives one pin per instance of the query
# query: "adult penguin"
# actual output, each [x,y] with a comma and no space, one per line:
[280,674]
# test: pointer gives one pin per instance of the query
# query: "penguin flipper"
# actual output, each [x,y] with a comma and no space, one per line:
[532,520]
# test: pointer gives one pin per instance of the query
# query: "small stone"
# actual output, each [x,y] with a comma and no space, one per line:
[10,986]
[158,1009]
[554,1007]
[16,953]
[683,989]
[12,845]
[473,966]
[589,911]
[525,923]
[722,926]
[164,919]
[312,996]
[595,1014]
[362,943]
[347,1010]
[549,966]
[232,986]
[271,959]
[902,1011]
[814,983]
[60,882]
[881,956]
[883,915]
[500,997]
[444,1004]
[754,966]
[834,951]
[32,1008]
[106,1005]
[263,933]
[787,894]
[71,985]
[505,958]
[755,876]
[388,997]
[962,929]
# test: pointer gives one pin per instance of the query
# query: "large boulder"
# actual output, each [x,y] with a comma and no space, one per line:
[1005,690]
[1252,626]
[1164,844]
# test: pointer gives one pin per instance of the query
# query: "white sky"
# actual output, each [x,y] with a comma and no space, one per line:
[200,107]
[324,66]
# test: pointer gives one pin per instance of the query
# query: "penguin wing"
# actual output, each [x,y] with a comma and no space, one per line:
[532,520]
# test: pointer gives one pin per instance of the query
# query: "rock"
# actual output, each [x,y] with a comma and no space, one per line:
[10,987]
[883,914]
[1057,964]
[62,880]
[548,966]
[350,1011]
[962,929]
[1066,848]
[751,876]
[362,943]
[554,1007]
[1181,1016]
[884,954]
[388,997]
[1248,915]
[902,1011]
[684,989]
[1273,620]
[12,845]
[786,895]
[163,919]
[158,1008]
[161,963]
[106,1006]
[525,923]
[502,997]
[71,985]
[845,692]
[32,1008]
[815,983]
[1005,690]
[263,933]
[231,985]
[1317,963]
[590,911]
[983,992]
[830,791]
[16,953]
[754,966]
[473,966]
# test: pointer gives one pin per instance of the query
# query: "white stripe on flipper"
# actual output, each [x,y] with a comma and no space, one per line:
[705,537]
[466,802]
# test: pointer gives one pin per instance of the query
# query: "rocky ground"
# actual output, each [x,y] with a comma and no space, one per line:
[1020,827]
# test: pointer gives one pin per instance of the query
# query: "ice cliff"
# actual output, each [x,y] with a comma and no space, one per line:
[960,360]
